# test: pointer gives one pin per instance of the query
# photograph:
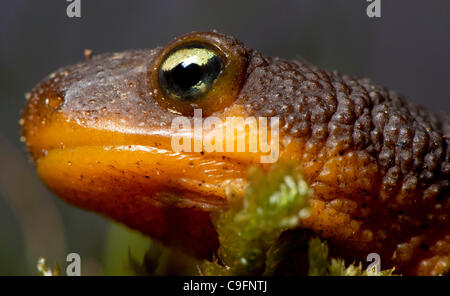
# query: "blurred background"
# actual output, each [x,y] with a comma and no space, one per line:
[407,49]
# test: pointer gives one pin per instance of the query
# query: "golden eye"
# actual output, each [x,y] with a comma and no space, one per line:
[198,71]
[188,73]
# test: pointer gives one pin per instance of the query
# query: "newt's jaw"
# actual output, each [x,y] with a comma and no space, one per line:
[137,179]
[107,157]
[139,170]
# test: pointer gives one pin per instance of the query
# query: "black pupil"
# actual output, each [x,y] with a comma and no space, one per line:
[186,76]
[189,80]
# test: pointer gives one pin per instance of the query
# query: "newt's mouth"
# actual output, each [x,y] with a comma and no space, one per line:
[89,165]
[137,179]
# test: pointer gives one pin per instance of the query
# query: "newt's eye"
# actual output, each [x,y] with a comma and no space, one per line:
[188,72]
[198,71]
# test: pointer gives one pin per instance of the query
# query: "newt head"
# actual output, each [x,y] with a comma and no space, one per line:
[100,132]
[102,135]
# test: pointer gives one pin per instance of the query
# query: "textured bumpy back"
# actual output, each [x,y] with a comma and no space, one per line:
[379,164]
[410,143]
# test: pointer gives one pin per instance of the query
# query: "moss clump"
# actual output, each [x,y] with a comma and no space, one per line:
[320,264]
[273,202]
[45,270]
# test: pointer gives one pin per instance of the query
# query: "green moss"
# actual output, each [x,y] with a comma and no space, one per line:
[317,257]
[45,270]
[273,202]
[320,264]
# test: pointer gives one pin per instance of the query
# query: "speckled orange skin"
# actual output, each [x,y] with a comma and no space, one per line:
[378,164]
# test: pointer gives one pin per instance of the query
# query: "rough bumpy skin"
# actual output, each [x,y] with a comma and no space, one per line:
[379,165]
[397,195]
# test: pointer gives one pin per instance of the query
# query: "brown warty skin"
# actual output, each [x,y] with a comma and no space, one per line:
[379,165]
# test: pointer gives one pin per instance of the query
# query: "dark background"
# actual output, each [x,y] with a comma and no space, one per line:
[407,49]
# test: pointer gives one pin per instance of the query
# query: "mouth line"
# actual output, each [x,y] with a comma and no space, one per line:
[158,176]
[207,156]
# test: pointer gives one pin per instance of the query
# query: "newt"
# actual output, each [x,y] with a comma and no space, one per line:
[378,164]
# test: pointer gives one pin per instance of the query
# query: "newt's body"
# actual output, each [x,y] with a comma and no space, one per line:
[379,166]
